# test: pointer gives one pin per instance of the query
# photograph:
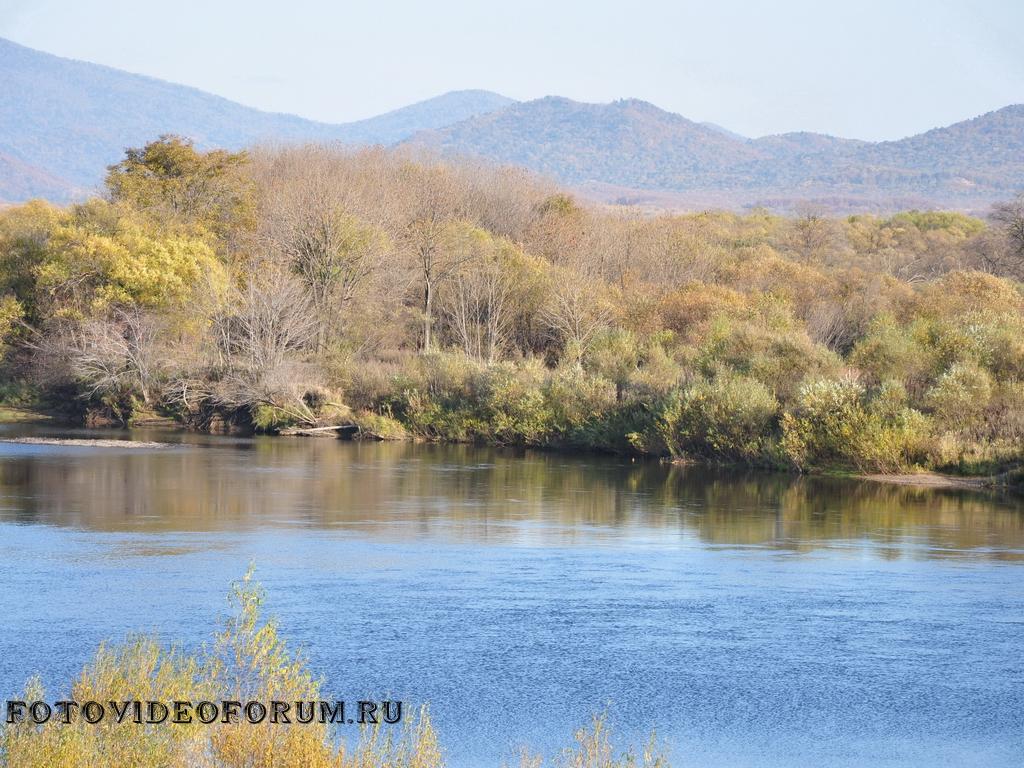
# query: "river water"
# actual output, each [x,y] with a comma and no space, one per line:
[752,619]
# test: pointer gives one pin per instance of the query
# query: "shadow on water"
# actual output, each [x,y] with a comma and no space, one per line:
[401,490]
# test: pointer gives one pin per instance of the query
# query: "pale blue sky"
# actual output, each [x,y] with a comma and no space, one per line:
[872,69]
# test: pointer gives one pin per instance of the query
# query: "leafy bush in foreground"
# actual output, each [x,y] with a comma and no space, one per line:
[248,661]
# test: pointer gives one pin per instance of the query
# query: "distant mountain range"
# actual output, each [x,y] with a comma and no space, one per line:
[632,152]
[62,122]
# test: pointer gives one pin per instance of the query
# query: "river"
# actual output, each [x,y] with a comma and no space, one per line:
[752,619]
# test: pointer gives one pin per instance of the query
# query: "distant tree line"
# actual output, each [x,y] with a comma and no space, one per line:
[310,286]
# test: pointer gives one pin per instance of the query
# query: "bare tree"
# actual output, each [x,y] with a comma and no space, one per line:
[812,235]
[309,220]
[259,349]
[436,247]
[120,353]
[477,307]
[574,314]
[1009,219]
[506,201]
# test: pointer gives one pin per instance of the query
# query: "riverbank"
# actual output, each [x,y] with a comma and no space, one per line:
[16,415]
[358,430]
[706,337]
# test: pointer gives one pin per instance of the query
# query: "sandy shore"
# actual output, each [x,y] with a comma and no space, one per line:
[85,443]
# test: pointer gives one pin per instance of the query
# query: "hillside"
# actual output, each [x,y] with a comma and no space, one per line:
[63,121]
[968,164]
[21,181]
[438,112]
[630,143]
[990,142]
[786,146]
[633,152]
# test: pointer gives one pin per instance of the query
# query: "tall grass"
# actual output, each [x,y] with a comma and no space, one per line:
[247,660]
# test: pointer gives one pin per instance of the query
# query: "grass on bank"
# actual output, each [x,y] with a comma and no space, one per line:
[248,660]
[10,415]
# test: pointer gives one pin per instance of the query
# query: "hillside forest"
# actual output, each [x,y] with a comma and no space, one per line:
[411,298]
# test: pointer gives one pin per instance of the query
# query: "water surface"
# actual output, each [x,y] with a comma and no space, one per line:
[752,619]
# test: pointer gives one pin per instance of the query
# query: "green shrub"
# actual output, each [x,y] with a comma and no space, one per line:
[270,418]
[18,392]
[891,445]
[514,407]
[834,425]
[777,355]
[615,355]
[892,352]
[620,428]
[729,417]
[428,417]
[576,400]
[960,396]
[826,421]
[378,426]
[436,397]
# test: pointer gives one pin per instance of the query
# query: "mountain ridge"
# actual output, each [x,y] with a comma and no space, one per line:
[966,165]
[69,119]
[63,121]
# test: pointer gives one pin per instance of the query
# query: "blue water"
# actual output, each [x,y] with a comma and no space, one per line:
[751,620]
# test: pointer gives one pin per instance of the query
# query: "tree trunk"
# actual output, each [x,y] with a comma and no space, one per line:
[428,308]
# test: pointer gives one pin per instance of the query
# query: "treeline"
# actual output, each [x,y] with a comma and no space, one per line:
[311,286]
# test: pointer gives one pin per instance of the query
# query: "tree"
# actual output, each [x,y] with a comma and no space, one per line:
[25,233]
[574,313]
[813,234]
[331,251]
[260,342]
[437,246]
[12,314]
[122,354]
[1009,219]
[559,230]
[101,259]
[177,184]
[482,298]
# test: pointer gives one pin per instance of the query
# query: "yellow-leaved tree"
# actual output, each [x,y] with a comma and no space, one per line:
[102,258]
[179,186]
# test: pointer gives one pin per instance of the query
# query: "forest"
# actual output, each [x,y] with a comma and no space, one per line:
[408,298]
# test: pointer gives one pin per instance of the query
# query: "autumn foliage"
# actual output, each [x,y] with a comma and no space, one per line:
[310,286]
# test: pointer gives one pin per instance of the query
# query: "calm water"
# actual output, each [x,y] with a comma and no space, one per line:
[751,619]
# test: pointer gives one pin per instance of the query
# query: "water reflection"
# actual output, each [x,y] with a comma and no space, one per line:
[474,494]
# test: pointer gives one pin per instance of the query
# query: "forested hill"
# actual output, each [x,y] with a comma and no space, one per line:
[631,151]
[628,142]
[62,122]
